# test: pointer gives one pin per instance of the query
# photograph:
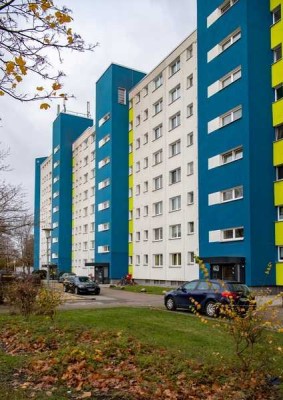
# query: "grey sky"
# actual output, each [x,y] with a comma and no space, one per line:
[134,33]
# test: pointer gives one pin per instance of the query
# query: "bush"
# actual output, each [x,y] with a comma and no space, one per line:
[21,295]
[47,301]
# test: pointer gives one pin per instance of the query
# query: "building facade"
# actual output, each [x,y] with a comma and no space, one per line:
[236,174]
[163,196]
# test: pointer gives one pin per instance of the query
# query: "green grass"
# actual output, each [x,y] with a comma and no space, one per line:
[137,289]
[169,341]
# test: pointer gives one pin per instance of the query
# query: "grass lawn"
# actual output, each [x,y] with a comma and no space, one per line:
[126,354]
[137,288]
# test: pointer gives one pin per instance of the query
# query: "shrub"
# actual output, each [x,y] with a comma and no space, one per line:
[21,295]
[47,302]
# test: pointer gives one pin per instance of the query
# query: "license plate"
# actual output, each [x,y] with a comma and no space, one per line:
[91,290]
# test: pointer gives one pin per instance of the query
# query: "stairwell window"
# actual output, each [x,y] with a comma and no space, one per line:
[232,77]
[227,5]
[232,194]
[231,116]
[233,38]
[232,155]
[233,234]
[122,98]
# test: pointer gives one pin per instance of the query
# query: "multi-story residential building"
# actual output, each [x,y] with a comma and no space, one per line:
[83,199]
[163,197]
[276,7]
[111,165]
[236,173]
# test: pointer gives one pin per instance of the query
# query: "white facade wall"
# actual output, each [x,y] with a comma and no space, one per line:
[83,202]
[142,100]
[45,206]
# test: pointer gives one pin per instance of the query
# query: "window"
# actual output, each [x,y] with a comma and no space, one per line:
[175,231]
[279,92]
[231,77]
[138,98]
[232,194]
[130,192]
[104,184]
[175,203]
[175,148]
[105,118]
[279,172]
[145,115]
[157,107]
[190,81]
[190,168]
[158,81]
[227,5]
[145,91]
[145,138]
[157,260]
[130,260]
[138,236]
[130,125]
[138,190]
[280,253]
[157,183]
[122,99]
[138,259]
[56,149]
[157,234]
[175,93]
[145,259]
[190,139]
[85,161]
[145,235]
[138,213]
[138,166]
[233,234]
[138,144]
[276,14]
[157,157]
[145,186]
[130,239]
[191,258]
[85,212]
[104,140]
[145,211]
[280,213]
[175,259]
[157,208]
[175,67]
[92,227]
[190,110]
[85,194]
[175,176]
[277,53]
[157,132]
[145,162]
[130,217]
[130,147]
[190,198]
[103,162]
[130,103]
[231,116]
[279,132]
[230,40]
[175,121]
[103,249]
[138,120]
[130,170]
[191,228]
[104,205]
[189,52]
[232,155]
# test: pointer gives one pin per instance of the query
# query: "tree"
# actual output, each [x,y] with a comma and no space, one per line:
[28,30]
[24,241]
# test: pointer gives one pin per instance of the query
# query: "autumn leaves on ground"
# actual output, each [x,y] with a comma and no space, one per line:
[130,354]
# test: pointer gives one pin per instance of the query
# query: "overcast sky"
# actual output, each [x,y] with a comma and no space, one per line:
[134,33]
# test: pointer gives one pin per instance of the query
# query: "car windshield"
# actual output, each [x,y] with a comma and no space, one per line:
[84,279]
[239,287]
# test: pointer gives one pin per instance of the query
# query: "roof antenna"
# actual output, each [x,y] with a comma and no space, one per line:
[88,109]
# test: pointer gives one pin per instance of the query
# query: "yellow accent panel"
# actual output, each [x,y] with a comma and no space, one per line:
[278,193]
[278,153]
[131,225]
[131,269]
[277,112]
[131,136]
[276,34]
[279,274]
[130,249]
[131,203]
[131,181]
[131,114]
[131,159]
[277,73]
[279,233]
[275,3]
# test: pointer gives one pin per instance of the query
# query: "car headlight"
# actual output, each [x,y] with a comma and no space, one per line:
[81,286]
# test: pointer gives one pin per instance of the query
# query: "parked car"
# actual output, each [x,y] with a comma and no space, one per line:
[65,275]
[208,295]
[80,284]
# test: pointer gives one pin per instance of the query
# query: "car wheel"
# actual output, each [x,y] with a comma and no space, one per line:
[210,309]
[76,291]
[170,304]
[97,291]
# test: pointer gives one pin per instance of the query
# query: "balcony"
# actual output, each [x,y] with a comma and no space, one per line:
[279,233]
[277,112]
[278,153]
[278,193]
[277,73]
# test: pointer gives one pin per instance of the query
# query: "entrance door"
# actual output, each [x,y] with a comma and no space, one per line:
[227,272]
[99,275]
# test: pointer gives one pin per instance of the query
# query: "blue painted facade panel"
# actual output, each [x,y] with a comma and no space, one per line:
[117,148]
[38,163]
[66,129]
[255,212]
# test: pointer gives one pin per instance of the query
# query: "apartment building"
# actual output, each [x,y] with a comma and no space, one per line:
[83,203]
[163,170]
[236,172]
[276,8]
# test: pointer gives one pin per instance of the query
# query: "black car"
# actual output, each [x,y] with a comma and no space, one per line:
[80,284]
[207,296]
